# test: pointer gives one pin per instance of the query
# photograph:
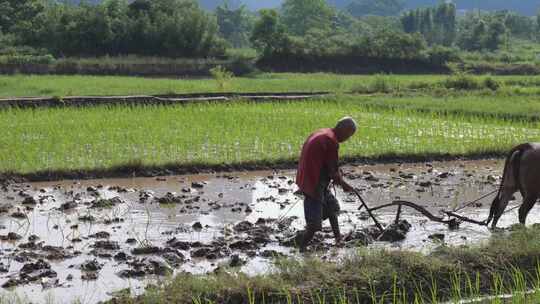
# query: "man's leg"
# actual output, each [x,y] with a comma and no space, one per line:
[331,211]
[335,227]
[313,215]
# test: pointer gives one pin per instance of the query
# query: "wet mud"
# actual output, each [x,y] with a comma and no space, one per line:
[85,240]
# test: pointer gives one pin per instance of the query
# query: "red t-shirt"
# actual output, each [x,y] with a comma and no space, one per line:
[319,151]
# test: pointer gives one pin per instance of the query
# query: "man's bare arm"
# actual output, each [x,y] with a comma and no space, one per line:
[337,176]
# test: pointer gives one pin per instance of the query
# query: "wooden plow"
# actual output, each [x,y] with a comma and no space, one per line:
[452,219]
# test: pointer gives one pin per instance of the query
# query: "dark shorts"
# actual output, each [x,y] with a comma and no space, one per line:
[316,211]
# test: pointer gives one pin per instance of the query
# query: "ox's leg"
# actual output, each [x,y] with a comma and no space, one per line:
[501,203]
[528,203]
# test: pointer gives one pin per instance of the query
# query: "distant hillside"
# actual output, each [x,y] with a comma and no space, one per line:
[526,7]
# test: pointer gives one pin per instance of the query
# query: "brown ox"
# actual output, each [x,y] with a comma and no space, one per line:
[521,173]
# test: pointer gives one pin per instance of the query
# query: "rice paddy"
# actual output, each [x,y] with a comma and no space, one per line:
[33,85]
[102,137]
[400,117]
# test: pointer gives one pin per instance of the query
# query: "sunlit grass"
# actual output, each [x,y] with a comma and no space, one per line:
[501,106]
[32,85]
[101,137]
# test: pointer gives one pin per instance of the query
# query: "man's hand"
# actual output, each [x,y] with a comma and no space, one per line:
[346,187]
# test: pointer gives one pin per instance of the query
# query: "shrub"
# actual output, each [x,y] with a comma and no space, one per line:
[461,81]
[440,55]
[26,59]
[222,76]
[491,83]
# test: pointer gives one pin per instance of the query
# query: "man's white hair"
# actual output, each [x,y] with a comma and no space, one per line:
[346,122]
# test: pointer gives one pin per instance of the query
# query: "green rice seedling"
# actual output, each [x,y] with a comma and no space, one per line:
[341,297]
[105,138]
[384,84]
[433,290]
[251,295]
[456,290]
[472,286]
[318,298]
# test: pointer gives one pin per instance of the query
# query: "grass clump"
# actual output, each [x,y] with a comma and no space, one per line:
[222,76]
[461,81]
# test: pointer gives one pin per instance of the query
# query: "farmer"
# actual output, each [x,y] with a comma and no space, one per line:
[317,167]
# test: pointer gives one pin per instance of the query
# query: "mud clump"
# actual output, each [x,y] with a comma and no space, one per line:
[243,245]
[18,215]
[243,226]
[105,203]
[29,201]
[106,245]
[89,276]
[144,267]
[197,226]
[31,272]
[146,250]
[358,238]
[121,256]
[100,235]
[68,206]
[395,232]
[439,237]
[91,265]
[174,258]
[210,253]
[55,253]
[170,198]
[197,185]
[174,243]
[87,218]
[4,208]
[11,236]
[270,254]
[236,261]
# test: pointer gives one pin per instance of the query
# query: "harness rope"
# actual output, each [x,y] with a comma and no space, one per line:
[474,201]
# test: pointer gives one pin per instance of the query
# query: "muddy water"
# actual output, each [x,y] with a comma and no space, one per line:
[87,233]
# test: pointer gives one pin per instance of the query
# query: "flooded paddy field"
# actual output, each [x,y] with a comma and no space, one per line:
[85,240]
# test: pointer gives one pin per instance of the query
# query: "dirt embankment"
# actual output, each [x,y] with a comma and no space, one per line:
[142,170]
[190,68]
[82,101]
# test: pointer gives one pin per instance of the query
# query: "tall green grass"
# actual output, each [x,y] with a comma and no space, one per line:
[235,133]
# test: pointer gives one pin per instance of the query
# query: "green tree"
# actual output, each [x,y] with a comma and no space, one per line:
[538,26]
[14,13]
[496,36]
[437,24]
[235,25]
[519,25]
[173,28]
[479,32]
[302,15]
[269,35]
